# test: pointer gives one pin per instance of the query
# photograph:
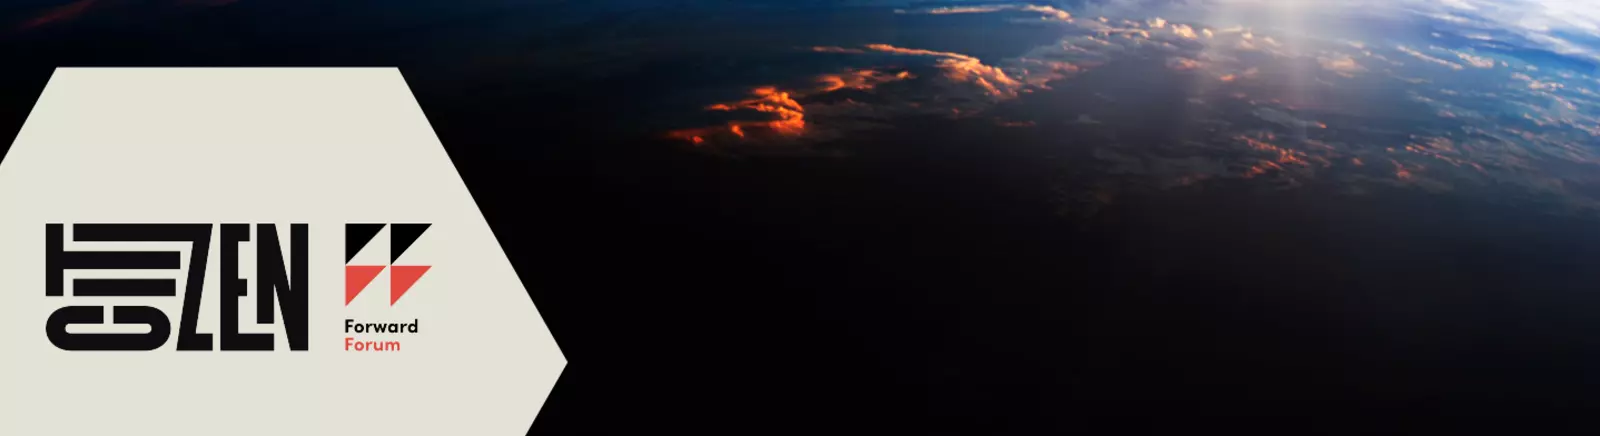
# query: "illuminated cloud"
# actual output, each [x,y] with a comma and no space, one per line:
[1401,171]
[958,10]
[1280,155]
[1555,25]
[1232,77]
[1476,61]
[1343,65]
[1236,30]
[990,78]
[1049,12]
[1535,84]
[957,67]
[1261,168]
[1183,64]
[955,84]
[1430,59]
[1305,148]
[1487,153]
[780,115]
[785,117]
[1039,73]
[886,48]
[1292,147]
[1184,31]
[862,79]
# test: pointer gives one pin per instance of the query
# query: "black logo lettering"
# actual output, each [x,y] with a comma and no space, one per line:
[276,282]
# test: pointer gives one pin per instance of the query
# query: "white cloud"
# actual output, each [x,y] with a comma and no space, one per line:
[1540,21]
[1426,58]
[1341,64]
[1476,61]
[1049,12]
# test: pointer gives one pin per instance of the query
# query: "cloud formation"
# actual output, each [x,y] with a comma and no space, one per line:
[1049,12]
[962,84]
[1249,105]
[1476,61]
[1430,59]
[956,67]
[861,79]
[1341,64]
[1555,25]
[785,117]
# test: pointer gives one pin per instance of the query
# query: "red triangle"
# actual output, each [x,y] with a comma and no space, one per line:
[356,279]
[401,278]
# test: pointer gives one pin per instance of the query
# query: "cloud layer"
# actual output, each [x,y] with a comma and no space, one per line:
[1279,109]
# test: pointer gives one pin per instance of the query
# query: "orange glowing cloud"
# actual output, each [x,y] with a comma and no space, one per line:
[956,66]
[991,79]
[1400,171]
[695,136]
[1261,167]
[789,117]
[886,48]
[1282,155]
[863,79]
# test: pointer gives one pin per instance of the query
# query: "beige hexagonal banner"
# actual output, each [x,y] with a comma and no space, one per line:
[262,251]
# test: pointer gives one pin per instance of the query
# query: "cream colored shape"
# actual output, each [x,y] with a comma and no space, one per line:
[322,146]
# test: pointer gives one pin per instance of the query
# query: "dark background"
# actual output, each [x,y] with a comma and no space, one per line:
[927,285]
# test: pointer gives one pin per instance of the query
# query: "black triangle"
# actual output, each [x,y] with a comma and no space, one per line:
[401,236]
[357,236]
